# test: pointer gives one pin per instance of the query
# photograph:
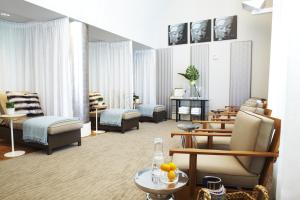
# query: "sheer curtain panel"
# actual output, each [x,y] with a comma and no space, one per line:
[164,71]
[111,72]
[240,72]
[145,75]
[35,57]
[200,58]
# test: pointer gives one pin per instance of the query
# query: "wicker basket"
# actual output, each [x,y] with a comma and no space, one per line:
[259,191]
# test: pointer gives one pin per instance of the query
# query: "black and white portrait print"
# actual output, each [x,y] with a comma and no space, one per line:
[225,28]
[200,31]
[177,34]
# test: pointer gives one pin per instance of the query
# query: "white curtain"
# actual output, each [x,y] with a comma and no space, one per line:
[164,71]
[145,75]
[111,72]
[240,72]
[200,58]
[35,57]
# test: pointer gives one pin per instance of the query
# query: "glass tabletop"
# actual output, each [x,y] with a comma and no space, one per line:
[143,180]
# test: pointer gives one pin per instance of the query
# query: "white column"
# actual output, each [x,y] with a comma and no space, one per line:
[284,95]
[79,62]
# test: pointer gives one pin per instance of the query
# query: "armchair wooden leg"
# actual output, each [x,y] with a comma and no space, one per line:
[209,142]
[193,175]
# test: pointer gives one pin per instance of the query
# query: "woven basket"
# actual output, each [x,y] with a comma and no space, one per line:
[259,191]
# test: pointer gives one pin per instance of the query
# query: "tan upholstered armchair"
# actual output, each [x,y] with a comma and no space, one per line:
[254,104]
[252,151]
[223,122]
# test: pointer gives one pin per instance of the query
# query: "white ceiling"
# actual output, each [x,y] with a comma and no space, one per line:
[22,11]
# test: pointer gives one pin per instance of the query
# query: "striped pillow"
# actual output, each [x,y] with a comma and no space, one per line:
[25,103]
[93,97]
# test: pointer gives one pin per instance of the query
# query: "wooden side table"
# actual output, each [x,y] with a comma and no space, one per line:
[13,153]
[99,107]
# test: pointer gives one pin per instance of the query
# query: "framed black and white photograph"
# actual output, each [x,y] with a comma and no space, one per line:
[177,34]
[225,28]
[200,31]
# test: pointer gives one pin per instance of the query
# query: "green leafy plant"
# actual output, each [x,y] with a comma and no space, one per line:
[10,105]
[100,99]
[191,74]
[135,97]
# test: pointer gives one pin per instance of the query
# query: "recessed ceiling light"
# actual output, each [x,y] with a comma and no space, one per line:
[4,14]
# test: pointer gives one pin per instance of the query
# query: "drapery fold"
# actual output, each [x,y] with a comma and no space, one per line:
[240,72]
[145,75]
[200,58]
[164,74]
[35,57]
[111,72]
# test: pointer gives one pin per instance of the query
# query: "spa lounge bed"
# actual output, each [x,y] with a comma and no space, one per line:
[129,119]
[58,135]
[152,113]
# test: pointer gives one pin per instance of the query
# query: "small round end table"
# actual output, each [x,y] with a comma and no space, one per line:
[13,153]
[98,107]
[159,191]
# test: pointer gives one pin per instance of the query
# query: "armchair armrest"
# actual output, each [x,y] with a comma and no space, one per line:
[223,152]
[218,121]
[213,130]
[200,134]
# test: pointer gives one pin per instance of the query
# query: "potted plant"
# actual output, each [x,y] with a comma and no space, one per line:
[100,99]
[192,74]
[136,98]
[10,108]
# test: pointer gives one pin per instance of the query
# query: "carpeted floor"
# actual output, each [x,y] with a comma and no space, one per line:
[102,168]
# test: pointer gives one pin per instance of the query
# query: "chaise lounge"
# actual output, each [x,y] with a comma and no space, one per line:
[58,134]
[149,113]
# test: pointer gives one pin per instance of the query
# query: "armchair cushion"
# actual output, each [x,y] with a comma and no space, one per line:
[244,135]
[263,141]
[228,168]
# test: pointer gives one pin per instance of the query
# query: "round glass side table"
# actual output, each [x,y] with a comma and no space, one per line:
[158,191]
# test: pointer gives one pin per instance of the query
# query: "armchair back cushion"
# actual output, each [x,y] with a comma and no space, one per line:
[263,142]
[252,109]
[244,136]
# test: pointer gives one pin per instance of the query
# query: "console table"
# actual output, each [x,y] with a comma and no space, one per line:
[201,102]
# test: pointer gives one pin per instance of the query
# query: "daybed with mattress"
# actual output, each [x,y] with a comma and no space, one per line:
[152,113]
[119,120]
[61,133]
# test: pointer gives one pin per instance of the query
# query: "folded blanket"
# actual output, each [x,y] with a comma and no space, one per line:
[36,129]
[147,110]
[113,117]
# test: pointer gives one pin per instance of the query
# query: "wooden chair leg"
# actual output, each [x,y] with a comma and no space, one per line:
[193,175]
[209,142]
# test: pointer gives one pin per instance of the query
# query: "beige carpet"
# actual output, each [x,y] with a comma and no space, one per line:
[102,168]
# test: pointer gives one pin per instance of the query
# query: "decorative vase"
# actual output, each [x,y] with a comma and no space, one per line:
[10,111]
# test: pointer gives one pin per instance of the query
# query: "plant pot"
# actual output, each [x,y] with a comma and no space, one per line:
[10,111]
